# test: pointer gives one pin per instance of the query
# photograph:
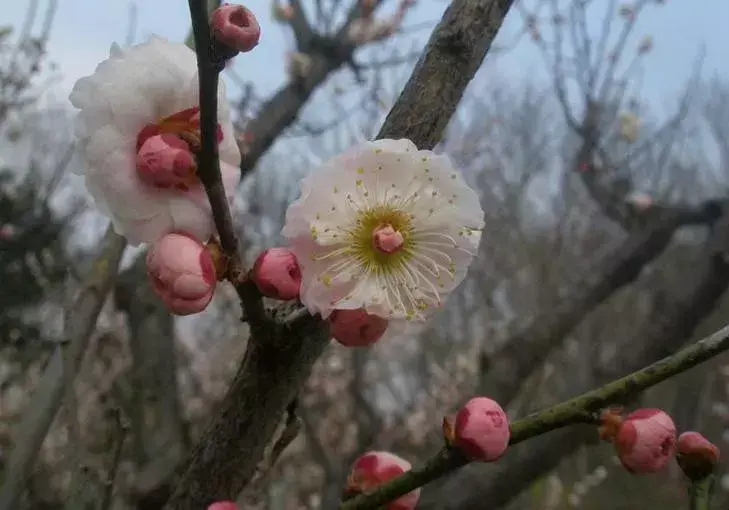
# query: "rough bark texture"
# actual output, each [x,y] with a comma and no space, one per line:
[276,364]
[454,53]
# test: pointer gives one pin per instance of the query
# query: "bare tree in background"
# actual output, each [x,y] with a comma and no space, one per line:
[577,267]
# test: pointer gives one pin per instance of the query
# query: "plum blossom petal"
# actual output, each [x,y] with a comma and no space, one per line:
[385,186]
[134,88]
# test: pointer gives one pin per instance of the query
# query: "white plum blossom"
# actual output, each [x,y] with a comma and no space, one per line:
[153,87]
[386,228]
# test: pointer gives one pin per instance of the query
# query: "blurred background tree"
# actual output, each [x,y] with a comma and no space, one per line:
[598,256]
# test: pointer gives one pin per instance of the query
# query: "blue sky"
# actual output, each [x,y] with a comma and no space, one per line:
[84,29]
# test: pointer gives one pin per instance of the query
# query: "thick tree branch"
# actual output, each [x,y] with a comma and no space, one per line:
[300,25]
[279,359]
[505,370]
[454,53]
[48,396]
[276,364]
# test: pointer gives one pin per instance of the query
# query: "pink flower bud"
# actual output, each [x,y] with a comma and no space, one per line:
[356,328]
[181,272]
[165,161]
[235,26]
[7,231]
[481,430]
[276,273]
[223,505]
[646,441]
[374,468]
[696,455]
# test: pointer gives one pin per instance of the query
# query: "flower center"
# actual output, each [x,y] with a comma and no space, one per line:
[166,149]
[381,238]
[386,239]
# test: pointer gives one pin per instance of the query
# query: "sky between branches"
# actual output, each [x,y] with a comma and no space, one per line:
[84,29]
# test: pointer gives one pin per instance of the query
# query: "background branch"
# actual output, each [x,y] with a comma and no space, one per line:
[577,410]
[48,396]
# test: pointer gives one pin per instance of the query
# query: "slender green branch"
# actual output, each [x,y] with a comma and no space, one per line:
[576,410]
[700,493]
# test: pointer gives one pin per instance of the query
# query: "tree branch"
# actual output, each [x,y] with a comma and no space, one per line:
[48,396]
[278,359]
[208,158]
[663,333]
[506,370]
[577,410]
[454,53]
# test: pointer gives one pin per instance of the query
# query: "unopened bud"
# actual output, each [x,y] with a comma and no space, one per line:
[181,273]
[223,505]
[645,440]
[236,27]
[277,274]
[373,469]
[165,161]
[697,456]
[480,430]
[356,328]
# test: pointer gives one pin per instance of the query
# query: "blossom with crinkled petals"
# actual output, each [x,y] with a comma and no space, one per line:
[384,227]
[139,92]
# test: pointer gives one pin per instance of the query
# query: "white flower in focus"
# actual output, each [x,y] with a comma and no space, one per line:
[152,87]
[383,227]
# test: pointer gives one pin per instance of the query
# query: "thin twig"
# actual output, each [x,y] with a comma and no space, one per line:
[701,492]
[118,436]
[209,162]
[575,410]
[208,158]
